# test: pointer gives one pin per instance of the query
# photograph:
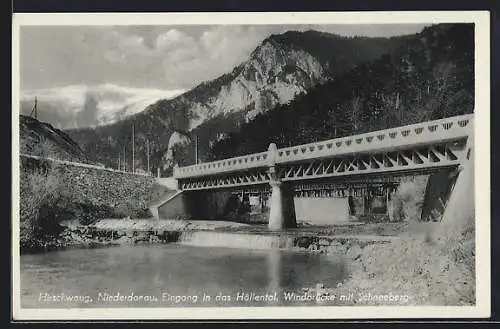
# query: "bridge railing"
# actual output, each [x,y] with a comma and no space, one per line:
[442,130]
[248,161]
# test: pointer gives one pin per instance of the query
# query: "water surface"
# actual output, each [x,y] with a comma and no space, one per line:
[170,275]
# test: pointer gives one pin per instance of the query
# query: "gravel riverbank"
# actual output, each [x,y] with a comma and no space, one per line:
[412,270]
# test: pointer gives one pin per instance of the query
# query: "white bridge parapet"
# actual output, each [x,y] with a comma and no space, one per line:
[410,136]
[249,161]
[404,137]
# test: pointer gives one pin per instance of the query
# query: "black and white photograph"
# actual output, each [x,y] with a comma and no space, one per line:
[250,165]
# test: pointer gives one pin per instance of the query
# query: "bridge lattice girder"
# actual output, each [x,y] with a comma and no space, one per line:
[244,178]
[432,156]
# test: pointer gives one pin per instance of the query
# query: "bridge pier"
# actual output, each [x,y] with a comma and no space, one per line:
[460,208]
[282,206]
[282,210]
[276,216]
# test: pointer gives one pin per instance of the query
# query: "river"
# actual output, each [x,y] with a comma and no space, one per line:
[166,275]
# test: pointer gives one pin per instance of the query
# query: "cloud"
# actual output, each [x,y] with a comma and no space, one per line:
[173,40]
[190,60]
[161,57]
[88,116]
[84,106]
[62,56]
[90,75]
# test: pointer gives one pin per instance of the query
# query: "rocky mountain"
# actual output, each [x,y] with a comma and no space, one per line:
[278,70]
[42,139]
[178,140]
[429,77]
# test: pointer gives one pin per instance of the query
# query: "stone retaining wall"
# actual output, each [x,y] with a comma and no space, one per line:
[119,193]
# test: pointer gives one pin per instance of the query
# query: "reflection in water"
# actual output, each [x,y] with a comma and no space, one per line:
[169,275]
[274,270]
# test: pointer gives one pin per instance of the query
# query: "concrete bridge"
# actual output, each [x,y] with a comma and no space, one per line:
[413,149]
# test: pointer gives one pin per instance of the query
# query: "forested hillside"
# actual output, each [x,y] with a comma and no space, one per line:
[429,77]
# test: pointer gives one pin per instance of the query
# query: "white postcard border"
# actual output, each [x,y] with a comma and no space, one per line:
[482,157]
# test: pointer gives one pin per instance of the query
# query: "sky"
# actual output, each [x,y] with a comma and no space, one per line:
[90,75]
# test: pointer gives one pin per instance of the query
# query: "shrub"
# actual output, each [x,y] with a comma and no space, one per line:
[40,191]
[406,202]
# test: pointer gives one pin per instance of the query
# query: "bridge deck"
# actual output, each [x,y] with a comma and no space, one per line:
[410,137]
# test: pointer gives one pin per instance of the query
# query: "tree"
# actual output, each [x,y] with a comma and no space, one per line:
[355,112]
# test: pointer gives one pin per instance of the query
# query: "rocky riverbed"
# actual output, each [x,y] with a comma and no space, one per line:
[109,232]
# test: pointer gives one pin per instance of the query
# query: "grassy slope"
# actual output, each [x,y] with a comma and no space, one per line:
[42,139]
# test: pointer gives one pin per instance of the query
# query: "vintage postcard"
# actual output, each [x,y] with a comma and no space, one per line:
[302,165]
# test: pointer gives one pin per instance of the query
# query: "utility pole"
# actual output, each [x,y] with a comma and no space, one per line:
[124,159]
[147,150]
[34,111]
[196,149]
[133,150]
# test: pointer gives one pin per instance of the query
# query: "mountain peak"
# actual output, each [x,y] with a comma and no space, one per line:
[292,36]
[280,68]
